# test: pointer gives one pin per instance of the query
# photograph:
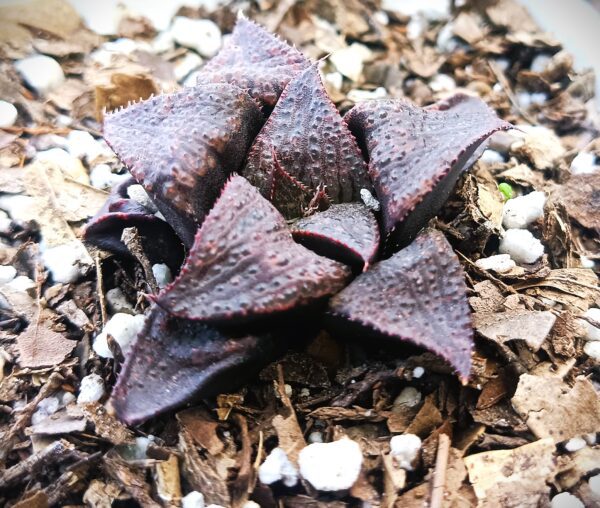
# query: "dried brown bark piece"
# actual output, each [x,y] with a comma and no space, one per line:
[417,295]
[244,264]
[183,146]
[417,154]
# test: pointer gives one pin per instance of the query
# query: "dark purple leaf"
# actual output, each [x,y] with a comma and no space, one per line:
[417,295]
[182,147]
[245,264]
[174,360]
[256,60]
[347,232]
[310,142]
[104,230]
[417,154]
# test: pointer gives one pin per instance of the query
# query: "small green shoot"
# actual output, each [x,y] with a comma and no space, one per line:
[506,191]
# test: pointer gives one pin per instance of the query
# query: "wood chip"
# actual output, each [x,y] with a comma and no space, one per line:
[530,326]
[514,478]
[554,410]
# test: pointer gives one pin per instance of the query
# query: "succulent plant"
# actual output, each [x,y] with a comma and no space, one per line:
[259,179]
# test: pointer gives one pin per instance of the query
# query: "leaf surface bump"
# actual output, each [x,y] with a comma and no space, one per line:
[417,154]
[417,295]
[245,264]
[183,146]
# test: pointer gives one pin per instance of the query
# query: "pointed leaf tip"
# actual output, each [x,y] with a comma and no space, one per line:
[245,264]
[417,295]
[309,141]
[174,360]
[182,147]
[347,232]
[257,60]
[417,154]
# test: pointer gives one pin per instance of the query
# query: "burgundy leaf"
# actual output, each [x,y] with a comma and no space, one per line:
[417,295]
[256,60]
[308,139]
[174,360]
[183,146]
[119,212]
[417,154]
[347,232]
[244,264]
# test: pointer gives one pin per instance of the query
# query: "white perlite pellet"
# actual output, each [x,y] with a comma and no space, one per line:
[83,145]
[123,328]
[405,448]
[584,163]
[592,349]
[369,200]
[41,73]
[193,500]
[277,467]
[7,273]
[521,246]
[202,35]
[91,389]
[21,283]
[591,332]
[162,274]
[418,372]
[442,83]
[102,177]
[491,157]
[574,444]
[521,211]
[139,194]
[594,483]
[67,262]
[117,301]
[408,397]
[331,466]
[566,500]
[8,114]
[349,61]
[500,263]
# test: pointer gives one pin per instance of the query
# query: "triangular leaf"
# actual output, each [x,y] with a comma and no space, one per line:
[245,264]
[119,212]
[347,232]
[256,60]
[182,147]
[311,143]
[417,154]
[417,295]
[174,360]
